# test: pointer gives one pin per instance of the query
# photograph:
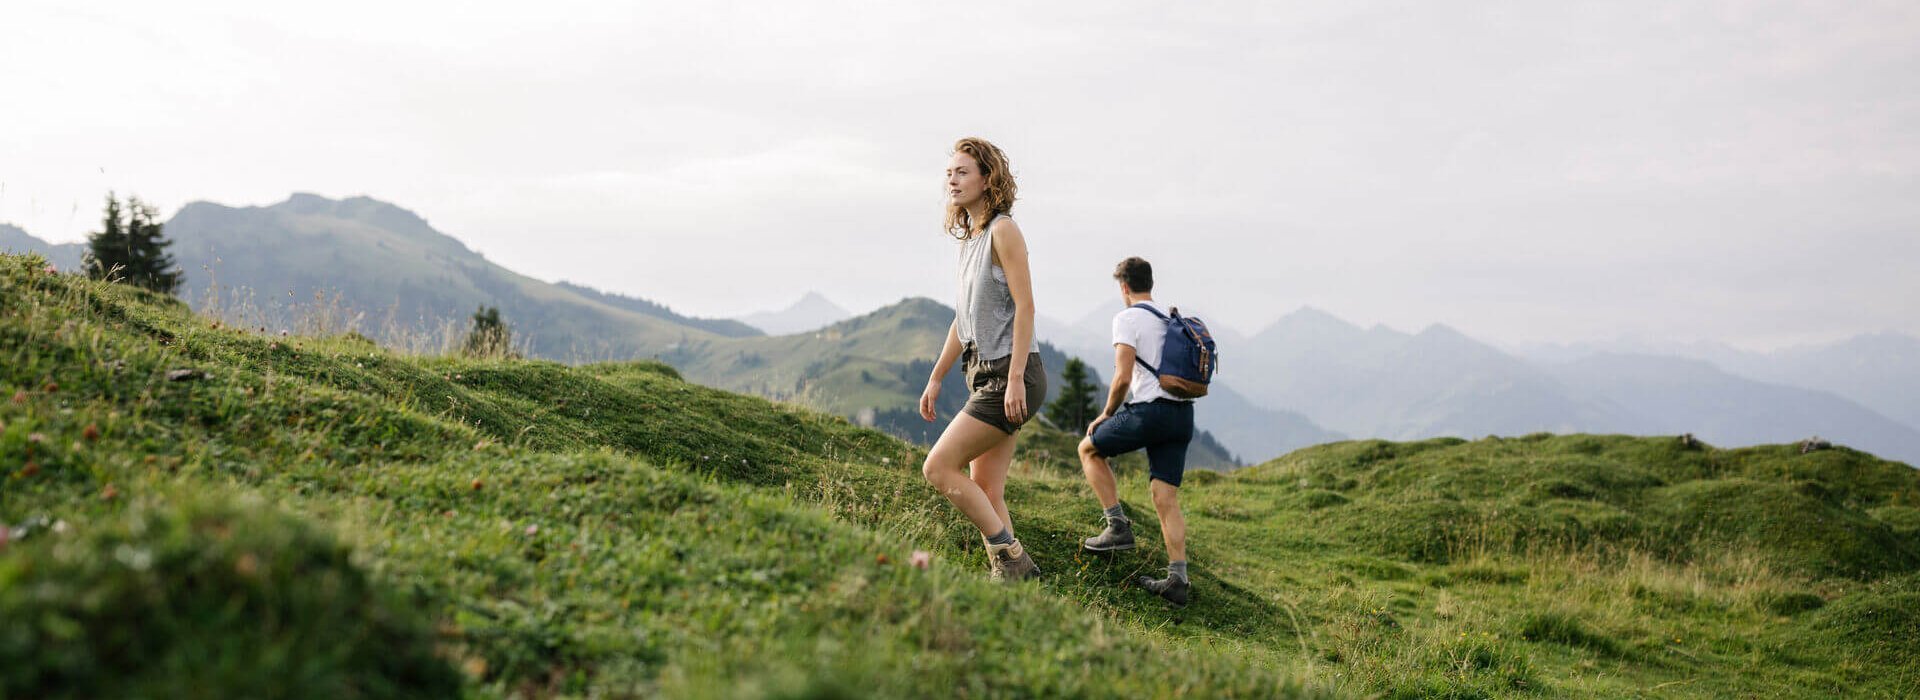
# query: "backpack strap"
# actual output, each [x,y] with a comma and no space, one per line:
[1149,308]
[1136,356]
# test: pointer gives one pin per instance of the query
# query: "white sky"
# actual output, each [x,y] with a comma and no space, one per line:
[1743,171]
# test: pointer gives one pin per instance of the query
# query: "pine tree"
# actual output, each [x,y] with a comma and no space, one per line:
[1075,407]
[489,337]
[107,248]
[131,247]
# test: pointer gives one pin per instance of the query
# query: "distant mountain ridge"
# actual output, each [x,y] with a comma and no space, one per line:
[1384,383]
[64,256]
[721,326]
[811,312]
[1878,370]
[1685,395]
[389,263]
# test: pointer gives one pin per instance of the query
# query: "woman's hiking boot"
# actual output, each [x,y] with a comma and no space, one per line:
[1117,536]
[994,570]
[1174,588]
[1010,562]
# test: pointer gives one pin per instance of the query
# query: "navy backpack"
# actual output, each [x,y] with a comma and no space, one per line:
[1188,357]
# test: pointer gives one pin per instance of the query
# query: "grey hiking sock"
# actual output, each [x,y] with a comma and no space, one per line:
[1002,537]
[1117,512]
[1177,570]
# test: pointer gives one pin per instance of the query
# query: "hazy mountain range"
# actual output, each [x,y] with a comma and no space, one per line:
[1310,377]
[1381,382]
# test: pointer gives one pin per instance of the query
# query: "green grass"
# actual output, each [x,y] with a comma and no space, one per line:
[525,528]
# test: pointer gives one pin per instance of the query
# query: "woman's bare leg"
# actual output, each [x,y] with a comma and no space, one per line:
[965,439]
[990,472]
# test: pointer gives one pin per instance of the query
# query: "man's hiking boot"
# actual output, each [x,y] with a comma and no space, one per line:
[1117,536]
[1010,562]
[1173,588]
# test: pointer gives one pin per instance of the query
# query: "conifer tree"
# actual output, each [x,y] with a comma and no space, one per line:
[131,247]
[489,336]
[1075,407]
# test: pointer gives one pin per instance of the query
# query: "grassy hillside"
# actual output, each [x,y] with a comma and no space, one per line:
[527,528]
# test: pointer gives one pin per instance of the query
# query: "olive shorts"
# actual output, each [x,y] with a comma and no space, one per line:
[987,389]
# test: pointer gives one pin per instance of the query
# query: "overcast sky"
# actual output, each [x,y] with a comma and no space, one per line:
[1742,171]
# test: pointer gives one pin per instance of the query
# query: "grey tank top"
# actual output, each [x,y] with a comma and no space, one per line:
[984,315]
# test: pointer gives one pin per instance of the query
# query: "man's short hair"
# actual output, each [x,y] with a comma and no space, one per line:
[1136,273]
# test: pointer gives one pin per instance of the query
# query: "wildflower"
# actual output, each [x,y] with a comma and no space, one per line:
[246,565]
[477,484]
[91,432]
[36,438]
[881,559]
[20,396]
[109,493]
[51,269]
[533,530]
[50,387]
[283,332]
[921,559]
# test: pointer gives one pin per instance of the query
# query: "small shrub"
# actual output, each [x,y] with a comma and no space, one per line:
[1375,568]
[1563,629]
[1558,488]
[1789,604]
[1315,499]
[1202,477]
[1489,573]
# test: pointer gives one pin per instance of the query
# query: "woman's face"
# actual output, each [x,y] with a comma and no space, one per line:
[965,184]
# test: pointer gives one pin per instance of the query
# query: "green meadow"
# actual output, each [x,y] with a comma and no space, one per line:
[193,509]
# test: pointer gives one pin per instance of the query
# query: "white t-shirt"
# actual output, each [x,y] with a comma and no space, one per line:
[1145,332]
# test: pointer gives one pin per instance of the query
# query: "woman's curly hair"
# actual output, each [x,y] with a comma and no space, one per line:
[1001,190]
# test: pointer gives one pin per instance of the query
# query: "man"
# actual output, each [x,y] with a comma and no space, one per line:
[1139,414]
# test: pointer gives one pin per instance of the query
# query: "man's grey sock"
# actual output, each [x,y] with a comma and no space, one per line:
[1005,536]
[1177,569]
[1117,514]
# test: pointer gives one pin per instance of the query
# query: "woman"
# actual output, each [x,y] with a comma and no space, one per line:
[992,334]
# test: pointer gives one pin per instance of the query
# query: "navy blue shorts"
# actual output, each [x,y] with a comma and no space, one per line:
[1162,427]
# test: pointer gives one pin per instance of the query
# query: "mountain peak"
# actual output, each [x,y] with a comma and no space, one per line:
[1443,331]
[815,301]
[1309,320]
[812,311]
[360,208]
